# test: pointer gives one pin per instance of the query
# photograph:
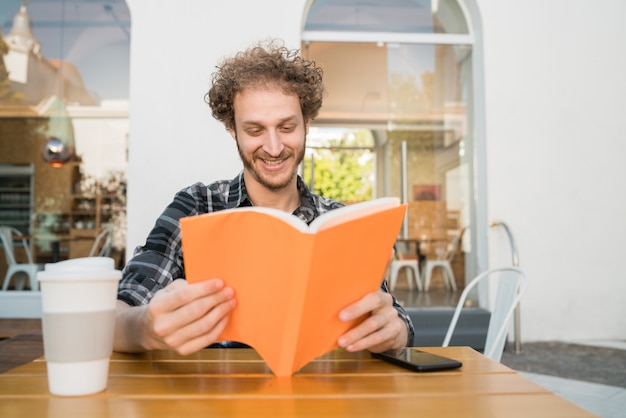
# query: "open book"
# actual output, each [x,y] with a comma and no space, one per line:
[292,279]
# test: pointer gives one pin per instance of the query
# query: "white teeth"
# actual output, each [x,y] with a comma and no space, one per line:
[268,162]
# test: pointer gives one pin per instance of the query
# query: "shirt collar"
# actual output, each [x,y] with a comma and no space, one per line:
[238,197]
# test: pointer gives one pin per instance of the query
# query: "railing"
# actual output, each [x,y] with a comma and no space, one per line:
[515,261]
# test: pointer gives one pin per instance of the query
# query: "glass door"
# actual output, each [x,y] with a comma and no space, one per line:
[404,71]
[427,149]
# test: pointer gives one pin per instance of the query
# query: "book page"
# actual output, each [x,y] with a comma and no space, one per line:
[325,220]
[356,210]
[286,217]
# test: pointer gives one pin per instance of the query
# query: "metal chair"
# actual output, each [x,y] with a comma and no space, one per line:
[412,272]
[510,285]
[444,263]
[411,265]
[8,235]
[103,243]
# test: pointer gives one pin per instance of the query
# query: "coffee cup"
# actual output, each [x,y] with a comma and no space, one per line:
[78,322]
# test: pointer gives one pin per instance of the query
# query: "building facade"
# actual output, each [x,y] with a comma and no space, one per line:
[546,120]
[553,136]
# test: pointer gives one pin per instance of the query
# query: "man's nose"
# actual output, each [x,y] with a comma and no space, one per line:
[273,144]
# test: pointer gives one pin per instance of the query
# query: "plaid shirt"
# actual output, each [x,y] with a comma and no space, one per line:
[160,260]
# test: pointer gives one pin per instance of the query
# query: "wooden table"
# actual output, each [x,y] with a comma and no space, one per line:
[236,382]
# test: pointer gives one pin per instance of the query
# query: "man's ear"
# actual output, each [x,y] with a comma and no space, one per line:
[307,123]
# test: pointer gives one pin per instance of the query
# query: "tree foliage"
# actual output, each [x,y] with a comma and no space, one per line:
[341,173]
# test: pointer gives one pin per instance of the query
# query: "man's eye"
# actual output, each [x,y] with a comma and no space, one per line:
[254,132]
[289,128]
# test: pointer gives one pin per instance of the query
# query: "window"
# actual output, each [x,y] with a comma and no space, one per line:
[64,115]
[404,71]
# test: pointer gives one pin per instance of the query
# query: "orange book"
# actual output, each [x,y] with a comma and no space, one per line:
[292,279]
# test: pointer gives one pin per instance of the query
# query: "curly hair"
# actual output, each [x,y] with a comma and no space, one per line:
[271,65]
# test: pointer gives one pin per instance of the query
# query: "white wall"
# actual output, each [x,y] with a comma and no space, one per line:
[555,75]
[555,88]
[174,141]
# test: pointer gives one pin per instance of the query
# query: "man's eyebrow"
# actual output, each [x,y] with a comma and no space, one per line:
[292,118]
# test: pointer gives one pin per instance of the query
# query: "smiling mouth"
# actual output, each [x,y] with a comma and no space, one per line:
[272,162]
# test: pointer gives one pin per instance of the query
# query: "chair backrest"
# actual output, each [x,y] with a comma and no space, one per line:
[456,241]
[511,285]
[103,244]
[7,236]
[452,246]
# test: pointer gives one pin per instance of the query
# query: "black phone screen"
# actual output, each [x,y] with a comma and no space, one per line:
[416,360]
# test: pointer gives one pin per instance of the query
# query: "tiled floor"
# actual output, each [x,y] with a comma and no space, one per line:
[602,400]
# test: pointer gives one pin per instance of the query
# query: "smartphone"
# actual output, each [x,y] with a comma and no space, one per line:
[418,361]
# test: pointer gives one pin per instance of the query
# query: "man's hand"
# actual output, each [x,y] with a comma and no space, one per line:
[380,331]
[181,317]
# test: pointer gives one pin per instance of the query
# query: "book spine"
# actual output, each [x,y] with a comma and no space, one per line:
[295,306]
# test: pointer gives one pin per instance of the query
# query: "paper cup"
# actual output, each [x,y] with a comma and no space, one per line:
[78,322]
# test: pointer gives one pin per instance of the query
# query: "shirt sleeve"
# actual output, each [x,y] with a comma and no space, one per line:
[403,314]
[160,261]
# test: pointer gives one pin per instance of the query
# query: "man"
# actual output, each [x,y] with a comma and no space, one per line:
[266,97]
